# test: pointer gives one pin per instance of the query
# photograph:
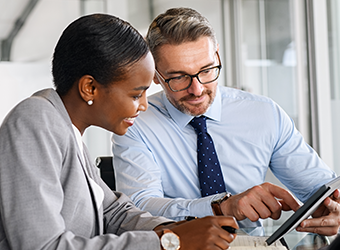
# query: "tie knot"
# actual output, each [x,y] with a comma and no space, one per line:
[199,124]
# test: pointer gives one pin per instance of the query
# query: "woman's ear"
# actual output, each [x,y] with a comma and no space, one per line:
[86,88]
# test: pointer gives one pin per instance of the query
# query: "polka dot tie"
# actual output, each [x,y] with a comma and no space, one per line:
[209,170]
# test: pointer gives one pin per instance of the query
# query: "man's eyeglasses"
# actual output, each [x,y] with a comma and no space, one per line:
[184,82]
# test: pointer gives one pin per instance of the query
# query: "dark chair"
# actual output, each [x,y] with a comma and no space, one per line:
[104,163]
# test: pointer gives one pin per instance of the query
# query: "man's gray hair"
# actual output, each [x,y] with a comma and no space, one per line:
[177,26]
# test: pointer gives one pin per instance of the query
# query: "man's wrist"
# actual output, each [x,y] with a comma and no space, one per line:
[216,204]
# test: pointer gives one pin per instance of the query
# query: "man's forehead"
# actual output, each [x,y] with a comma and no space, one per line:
[197,54]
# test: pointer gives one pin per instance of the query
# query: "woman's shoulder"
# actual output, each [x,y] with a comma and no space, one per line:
[37,111]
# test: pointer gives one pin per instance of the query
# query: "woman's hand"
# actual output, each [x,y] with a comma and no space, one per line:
[205,233]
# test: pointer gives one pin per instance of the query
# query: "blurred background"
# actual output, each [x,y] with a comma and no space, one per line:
[285,49]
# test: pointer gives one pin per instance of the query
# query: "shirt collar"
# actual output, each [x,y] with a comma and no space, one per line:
[182,119]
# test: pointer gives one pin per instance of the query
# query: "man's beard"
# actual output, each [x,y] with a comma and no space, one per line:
[199,110]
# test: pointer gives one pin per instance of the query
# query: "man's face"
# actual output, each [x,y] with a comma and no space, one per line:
[188,59]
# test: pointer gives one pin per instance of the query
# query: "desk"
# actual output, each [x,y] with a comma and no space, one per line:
[295,240]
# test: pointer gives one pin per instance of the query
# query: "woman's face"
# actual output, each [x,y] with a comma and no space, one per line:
[119,104]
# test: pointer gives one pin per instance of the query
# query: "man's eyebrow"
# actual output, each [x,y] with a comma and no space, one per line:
[186,73]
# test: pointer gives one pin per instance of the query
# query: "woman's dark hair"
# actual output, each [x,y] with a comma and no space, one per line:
[99,45]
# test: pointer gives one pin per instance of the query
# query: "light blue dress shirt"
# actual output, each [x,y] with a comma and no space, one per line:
[156,160]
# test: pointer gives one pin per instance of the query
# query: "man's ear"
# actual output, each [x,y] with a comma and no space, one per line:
[86,87]
[155,79]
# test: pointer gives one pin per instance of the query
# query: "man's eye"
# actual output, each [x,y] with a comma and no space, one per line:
[179,79]
[206,72]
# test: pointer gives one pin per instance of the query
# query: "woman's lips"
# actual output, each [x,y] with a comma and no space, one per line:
[130,120]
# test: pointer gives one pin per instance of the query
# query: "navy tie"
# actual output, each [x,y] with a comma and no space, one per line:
[209,170]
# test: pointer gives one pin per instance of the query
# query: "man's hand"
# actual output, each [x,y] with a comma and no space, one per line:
[204,233]
[262,201]
[326,219]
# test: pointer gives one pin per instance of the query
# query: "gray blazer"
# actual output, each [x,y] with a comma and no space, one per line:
[45,199]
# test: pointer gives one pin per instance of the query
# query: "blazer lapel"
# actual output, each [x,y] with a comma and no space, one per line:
[98,210]
[52,96]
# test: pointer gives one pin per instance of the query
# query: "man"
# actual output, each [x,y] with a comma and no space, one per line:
[157,163]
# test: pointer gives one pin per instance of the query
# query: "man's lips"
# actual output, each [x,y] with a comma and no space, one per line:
[194,100]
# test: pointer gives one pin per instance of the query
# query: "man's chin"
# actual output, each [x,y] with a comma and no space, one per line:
[194,110]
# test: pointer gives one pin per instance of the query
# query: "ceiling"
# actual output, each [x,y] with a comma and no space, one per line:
[29,29]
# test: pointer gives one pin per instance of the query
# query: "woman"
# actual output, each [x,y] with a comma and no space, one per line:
[51,195]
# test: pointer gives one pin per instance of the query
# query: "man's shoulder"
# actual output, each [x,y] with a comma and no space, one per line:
[156,106]
[156,99]
[246,103]
[238,94]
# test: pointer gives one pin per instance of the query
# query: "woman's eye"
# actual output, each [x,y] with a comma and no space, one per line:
[136,97]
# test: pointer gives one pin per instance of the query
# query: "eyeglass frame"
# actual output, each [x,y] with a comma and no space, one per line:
[193,76]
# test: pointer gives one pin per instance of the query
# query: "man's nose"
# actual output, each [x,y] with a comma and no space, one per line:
[196,88]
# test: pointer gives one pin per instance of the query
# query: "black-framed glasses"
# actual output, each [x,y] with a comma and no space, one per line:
[184,82]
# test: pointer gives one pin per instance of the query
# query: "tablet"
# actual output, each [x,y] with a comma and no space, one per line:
[306,210]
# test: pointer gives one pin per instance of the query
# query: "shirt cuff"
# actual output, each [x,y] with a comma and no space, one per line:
[204,207]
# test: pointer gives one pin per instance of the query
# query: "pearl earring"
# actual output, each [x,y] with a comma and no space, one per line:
[90,102]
